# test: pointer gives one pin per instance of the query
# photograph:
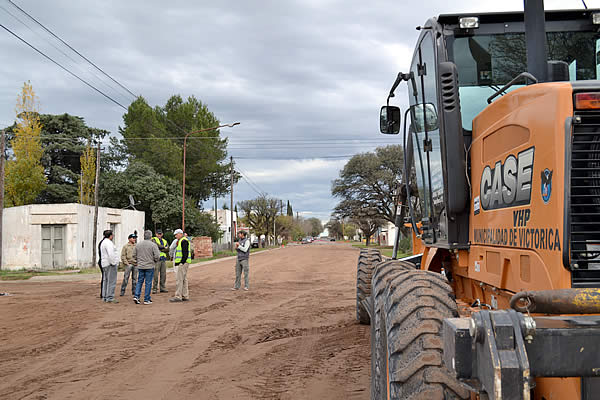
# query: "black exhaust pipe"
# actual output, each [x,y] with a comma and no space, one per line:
[535,37]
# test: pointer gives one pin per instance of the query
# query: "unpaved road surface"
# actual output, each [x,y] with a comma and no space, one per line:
[292,336]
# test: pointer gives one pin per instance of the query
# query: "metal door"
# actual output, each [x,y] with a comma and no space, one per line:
[53,253]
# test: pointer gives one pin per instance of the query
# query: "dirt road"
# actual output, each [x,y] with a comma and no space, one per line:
[292,336]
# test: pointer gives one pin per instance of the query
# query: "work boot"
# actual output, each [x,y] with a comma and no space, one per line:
[164,291]
[175,300]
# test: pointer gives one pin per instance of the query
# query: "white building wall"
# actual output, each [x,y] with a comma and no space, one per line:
[224,220]
[22,232]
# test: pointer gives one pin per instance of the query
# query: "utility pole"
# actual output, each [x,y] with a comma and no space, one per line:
[231,206]
[1,191]
[95,232]
[216,217]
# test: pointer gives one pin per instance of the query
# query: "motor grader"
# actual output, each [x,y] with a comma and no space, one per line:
[501,297]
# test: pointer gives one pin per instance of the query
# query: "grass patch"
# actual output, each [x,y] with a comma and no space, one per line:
[220,254]
[387,251]
[20,275]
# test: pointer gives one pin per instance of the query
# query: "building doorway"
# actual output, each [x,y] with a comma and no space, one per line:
[53,246]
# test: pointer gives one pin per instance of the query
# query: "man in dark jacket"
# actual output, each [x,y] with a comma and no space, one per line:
[242,263]
[147,255]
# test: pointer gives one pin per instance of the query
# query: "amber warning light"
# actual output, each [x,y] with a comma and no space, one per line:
[587,101]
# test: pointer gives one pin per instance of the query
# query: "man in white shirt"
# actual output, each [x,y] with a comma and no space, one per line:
[109,260]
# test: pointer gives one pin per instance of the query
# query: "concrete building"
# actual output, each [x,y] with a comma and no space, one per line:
[52,236]
[225,224]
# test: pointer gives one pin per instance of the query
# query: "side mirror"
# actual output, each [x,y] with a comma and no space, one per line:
[389,120]
[421,112]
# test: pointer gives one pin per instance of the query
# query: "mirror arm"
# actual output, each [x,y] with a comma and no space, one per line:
[407,180]
[402,77]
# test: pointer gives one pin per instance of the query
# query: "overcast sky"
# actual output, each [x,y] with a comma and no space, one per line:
[305,78]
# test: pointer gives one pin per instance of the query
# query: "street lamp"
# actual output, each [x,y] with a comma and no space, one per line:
[184,154]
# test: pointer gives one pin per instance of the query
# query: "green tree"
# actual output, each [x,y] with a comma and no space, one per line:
[372,181]
[154,135]
[158,196]
[366,218]
[25,177]
[260,213]
[290,211]
[334,227]
[64,140]
[350,230]
[315,226]
[87,180]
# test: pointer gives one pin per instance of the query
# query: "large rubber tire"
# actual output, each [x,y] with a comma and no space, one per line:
[409,307]
[367,259]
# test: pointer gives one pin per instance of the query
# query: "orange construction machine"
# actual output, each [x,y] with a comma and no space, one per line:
[501,297]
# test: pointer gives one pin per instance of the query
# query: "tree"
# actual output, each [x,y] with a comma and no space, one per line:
[159,197]
[365,217]
[290,212]
[373,181]
[260,213]
[25,174]
[350,229]
[334,227]
[87,179]
[315,226]
[153,135]
[64,139]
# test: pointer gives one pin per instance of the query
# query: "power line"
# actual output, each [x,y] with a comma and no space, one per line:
[58,49]
[251,183]
[69,46]
[296,158]
[65,69]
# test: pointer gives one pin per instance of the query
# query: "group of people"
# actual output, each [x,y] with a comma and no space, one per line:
[146,263]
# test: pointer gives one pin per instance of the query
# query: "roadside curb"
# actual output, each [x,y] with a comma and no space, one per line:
[98,276]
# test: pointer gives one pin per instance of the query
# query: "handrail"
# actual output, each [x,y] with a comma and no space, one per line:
[525,75]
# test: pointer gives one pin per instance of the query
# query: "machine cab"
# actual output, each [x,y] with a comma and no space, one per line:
[461,64]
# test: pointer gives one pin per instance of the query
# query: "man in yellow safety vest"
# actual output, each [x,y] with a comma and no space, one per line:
[161,265]
[181,263]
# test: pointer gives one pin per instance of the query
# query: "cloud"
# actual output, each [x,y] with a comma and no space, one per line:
[296,70]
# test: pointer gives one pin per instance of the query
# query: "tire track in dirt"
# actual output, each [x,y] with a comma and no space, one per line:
[293,336]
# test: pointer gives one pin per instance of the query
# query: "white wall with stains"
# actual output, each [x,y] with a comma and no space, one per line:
[22,232]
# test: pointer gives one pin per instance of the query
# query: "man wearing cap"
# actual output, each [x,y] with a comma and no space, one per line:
[161,265]
[129,262]
[181,264]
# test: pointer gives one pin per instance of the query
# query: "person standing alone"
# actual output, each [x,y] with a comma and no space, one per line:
[181,264]
[147,255]
[161,265]
[128,259]
[243,261]
[109,261]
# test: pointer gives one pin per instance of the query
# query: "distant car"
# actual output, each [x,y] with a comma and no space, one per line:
[332,239]
[305,240]
[254,244]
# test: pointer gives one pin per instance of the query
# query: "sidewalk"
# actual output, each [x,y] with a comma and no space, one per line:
[98,276]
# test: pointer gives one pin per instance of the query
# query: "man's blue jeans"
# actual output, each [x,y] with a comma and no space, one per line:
[144,275]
